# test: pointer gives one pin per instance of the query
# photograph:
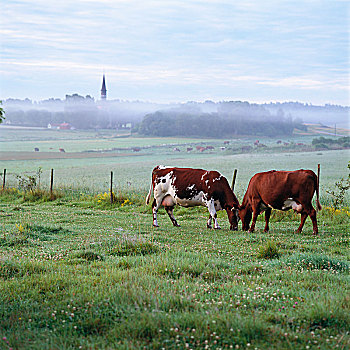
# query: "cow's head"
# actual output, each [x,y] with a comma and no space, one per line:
[245,214]
[233,218]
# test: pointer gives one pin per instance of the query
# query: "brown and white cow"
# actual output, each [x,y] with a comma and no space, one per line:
[192,187]
[281,190]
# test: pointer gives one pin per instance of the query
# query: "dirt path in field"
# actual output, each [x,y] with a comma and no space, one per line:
[60,155]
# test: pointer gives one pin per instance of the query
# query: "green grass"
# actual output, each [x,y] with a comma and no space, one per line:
[78,272]
[75,275]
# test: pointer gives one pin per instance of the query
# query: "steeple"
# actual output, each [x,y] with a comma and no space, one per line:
[103,90]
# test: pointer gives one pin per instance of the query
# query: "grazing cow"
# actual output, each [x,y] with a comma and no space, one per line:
[192,187]
[281,190]
[62,150]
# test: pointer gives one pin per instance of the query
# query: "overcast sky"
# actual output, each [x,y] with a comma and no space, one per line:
[176,51]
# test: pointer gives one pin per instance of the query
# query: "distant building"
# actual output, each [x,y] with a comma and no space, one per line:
[103,90]
[65,126]
[62,126]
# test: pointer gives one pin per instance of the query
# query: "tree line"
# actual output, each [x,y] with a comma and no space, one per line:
[172,123]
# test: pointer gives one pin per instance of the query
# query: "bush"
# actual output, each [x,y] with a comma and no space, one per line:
[134,246]
[268,251]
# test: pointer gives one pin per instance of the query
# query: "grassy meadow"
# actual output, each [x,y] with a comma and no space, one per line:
[78,272]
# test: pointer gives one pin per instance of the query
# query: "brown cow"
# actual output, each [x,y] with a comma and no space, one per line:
[192,187]
[282,190]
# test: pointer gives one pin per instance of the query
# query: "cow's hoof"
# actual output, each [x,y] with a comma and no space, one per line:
[315,233]
[266,231]
[209,226]
[155,225]
[217,228]
[250,231]
[177,225]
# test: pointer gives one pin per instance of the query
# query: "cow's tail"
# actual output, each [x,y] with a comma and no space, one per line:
[149,194]
[318,204]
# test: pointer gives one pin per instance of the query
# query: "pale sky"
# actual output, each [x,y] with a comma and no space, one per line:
[176,51]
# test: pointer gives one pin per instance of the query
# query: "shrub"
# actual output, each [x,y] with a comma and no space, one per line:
[341,187]
[133,246]
[268,251]
[89,256]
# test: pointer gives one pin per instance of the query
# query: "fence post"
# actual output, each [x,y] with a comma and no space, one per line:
[111,188]
[51,182]
[4,180]
[318,175]
[234,179]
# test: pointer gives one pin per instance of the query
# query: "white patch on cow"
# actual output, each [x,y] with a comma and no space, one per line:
[212,211]
[206,182]
[198,199]
[218,178]
[164,187]
[292,204]
[204,175]
[161,167]
[190,188]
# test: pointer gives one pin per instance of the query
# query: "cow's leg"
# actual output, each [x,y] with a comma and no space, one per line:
[256,211]
[155,207]
[170,210]
[267,218]
[212,212]
[209,222]
[304,215]
[313,218]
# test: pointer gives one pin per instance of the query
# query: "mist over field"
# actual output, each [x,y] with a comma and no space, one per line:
[234,117]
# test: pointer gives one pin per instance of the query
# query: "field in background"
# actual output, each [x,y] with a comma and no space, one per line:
[91,156]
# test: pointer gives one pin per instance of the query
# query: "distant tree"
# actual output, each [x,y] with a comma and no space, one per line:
[2,114]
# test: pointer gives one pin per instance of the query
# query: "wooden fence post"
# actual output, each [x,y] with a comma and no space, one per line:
[234,179]
[318,175]
[4,180]
[111,188]
[51,182]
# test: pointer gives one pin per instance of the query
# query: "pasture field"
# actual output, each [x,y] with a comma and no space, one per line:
[133,173]
[108,151]
[82,274]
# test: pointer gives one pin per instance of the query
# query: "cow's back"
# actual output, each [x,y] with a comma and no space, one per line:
[189,183]
[273,187]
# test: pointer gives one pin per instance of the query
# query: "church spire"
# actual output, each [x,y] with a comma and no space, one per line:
[103,90]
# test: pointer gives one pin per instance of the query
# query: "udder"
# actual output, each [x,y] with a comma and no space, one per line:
[292,204]
[168,201]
